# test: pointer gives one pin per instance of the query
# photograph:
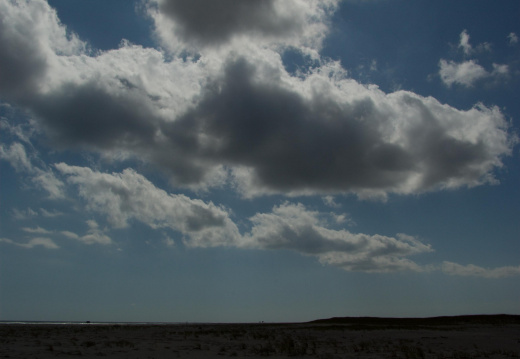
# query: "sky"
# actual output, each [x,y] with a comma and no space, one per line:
[260,160]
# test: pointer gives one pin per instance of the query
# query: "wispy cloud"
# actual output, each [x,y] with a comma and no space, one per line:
[513,38]
[42,178]
[30,213]
[293,227]
[37,230]
[32,243]
[467,48]
[476,271]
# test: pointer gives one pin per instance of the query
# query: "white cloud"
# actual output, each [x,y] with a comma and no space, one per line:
[46,180]
[16,156]
[468,49]
[169,242]
[24,214]
[50,214]
[95,235]
[37,230]
[330,201]
[34,242]
[465,73]
[476,271]
[293,227]
[464,43]
[468,73]
[513,38]
[70,235]
[41,241]
[30,213]
[128,195]
[43,178]
[500,70]
[343,218]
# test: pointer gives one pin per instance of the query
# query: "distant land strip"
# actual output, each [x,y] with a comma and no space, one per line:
[491,319]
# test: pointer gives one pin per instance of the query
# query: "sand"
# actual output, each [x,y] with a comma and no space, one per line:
[326,340]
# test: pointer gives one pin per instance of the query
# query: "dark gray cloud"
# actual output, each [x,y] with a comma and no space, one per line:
[295,144]
[88,115]
[28,34]
[21,66]
[210,22]
[21,69]
[291,144]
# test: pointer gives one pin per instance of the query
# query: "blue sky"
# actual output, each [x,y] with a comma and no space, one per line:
[277,160]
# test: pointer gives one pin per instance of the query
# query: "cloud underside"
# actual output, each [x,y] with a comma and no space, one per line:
[215,106]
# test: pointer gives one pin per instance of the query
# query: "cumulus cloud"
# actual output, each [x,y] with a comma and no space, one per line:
[229,113]
[476,271]
[337,136]
[238,117]
[467,73]
[22,67]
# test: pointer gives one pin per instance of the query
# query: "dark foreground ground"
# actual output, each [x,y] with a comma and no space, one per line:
[445,337]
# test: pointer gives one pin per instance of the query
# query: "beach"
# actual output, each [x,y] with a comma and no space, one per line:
[327,340]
